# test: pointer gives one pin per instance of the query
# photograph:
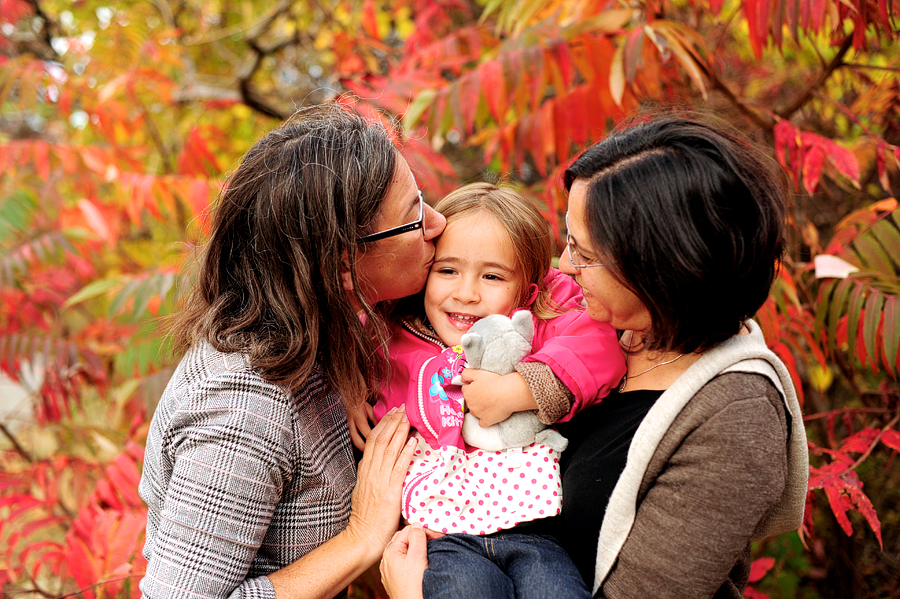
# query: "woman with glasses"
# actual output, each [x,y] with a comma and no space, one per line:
[249,473]
[675,231]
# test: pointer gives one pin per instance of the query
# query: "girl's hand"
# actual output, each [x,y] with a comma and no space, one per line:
[404,562]
[360,419]
[492,397]
[375,503]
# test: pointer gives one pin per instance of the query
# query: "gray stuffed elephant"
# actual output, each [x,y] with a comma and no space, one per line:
[497,343]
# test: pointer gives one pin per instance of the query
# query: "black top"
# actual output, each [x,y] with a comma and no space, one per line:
[599,438]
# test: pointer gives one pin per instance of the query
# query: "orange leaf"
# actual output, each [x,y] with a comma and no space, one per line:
[369,19]
[42,159]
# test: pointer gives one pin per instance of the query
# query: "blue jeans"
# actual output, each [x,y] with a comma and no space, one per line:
[514,565]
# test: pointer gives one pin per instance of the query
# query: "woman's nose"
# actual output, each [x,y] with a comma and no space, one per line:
[434,223]
[565,264]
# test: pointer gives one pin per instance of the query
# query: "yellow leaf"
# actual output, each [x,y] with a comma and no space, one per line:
[820,378]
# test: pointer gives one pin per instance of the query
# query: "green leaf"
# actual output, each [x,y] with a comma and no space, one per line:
[873,256]
[92,290]
[123,296]
[870,325]
[825,293]
[16,214]
[418,106]
[891,337]
[141,296]
[838,301]
[889,237]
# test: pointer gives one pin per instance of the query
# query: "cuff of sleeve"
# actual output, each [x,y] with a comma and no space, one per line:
[553,398]
[257,588]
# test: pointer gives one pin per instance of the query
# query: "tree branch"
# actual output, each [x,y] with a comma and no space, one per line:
[16,445]
[45,28]
[761,119]
[803,98]
[248,94]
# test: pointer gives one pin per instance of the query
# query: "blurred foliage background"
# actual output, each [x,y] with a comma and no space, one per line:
[120,122]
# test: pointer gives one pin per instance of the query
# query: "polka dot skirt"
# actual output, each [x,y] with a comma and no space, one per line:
[480,492]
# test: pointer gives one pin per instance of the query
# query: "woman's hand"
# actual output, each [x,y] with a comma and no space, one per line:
[375,503]
[492,397]
[360,419]
[404,562]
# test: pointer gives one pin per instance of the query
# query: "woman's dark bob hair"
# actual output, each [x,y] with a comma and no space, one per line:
[693,218]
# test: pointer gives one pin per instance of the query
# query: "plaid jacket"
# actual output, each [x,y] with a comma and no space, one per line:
[240,478]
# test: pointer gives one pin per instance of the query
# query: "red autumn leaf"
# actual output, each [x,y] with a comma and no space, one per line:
[13,10]
[469,96]
[813,160]
[493,86]
[537,75]
[891,438]
[751,593]
[816,14]
[788,358]
[840,503]
[760,567]
[860,441]
[844,161]
[785,139]
[752,14]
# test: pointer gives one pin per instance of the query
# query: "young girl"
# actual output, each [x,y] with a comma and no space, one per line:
[493,258]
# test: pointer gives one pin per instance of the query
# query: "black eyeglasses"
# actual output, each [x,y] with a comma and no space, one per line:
[418,224]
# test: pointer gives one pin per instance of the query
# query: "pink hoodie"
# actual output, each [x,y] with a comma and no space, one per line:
[583,353]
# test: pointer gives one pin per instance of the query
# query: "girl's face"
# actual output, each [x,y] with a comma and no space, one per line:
[607,299]
[475,274]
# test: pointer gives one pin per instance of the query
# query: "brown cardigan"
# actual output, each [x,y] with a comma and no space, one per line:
[731,437]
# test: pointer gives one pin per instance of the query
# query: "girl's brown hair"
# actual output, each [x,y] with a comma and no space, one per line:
[285,226]
[529,232]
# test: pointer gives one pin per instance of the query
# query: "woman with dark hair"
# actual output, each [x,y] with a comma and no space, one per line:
[675,232]
[249,473]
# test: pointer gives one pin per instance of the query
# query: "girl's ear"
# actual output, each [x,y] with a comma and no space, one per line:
[346,279]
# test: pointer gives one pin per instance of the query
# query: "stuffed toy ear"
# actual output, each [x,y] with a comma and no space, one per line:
[473,345]
[523,324]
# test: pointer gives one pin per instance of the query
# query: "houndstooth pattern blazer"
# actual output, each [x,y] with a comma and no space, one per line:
[240,478]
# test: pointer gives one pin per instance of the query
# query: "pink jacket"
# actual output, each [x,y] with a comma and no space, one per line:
[582,353]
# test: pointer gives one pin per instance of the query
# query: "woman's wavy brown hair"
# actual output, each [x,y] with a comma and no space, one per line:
[285,225]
